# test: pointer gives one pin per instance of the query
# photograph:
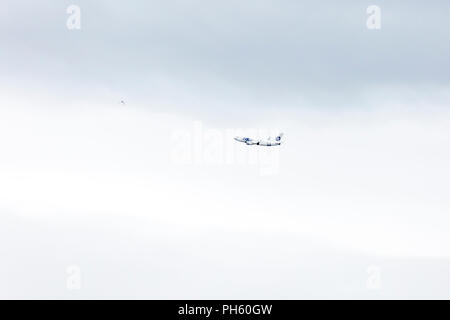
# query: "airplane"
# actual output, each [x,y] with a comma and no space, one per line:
[269,142]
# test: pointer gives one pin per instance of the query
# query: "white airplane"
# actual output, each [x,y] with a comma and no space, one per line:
[268,142]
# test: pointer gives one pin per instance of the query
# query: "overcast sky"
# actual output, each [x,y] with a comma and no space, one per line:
[154,199]
[297,52]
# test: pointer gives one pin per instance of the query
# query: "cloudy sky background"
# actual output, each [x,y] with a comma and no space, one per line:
[155,200]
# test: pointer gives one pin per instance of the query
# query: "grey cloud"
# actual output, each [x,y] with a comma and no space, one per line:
[255,50]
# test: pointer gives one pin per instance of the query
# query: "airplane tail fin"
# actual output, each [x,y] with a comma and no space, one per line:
[278,137]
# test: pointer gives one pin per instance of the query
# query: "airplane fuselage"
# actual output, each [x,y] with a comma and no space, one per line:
[269,142]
